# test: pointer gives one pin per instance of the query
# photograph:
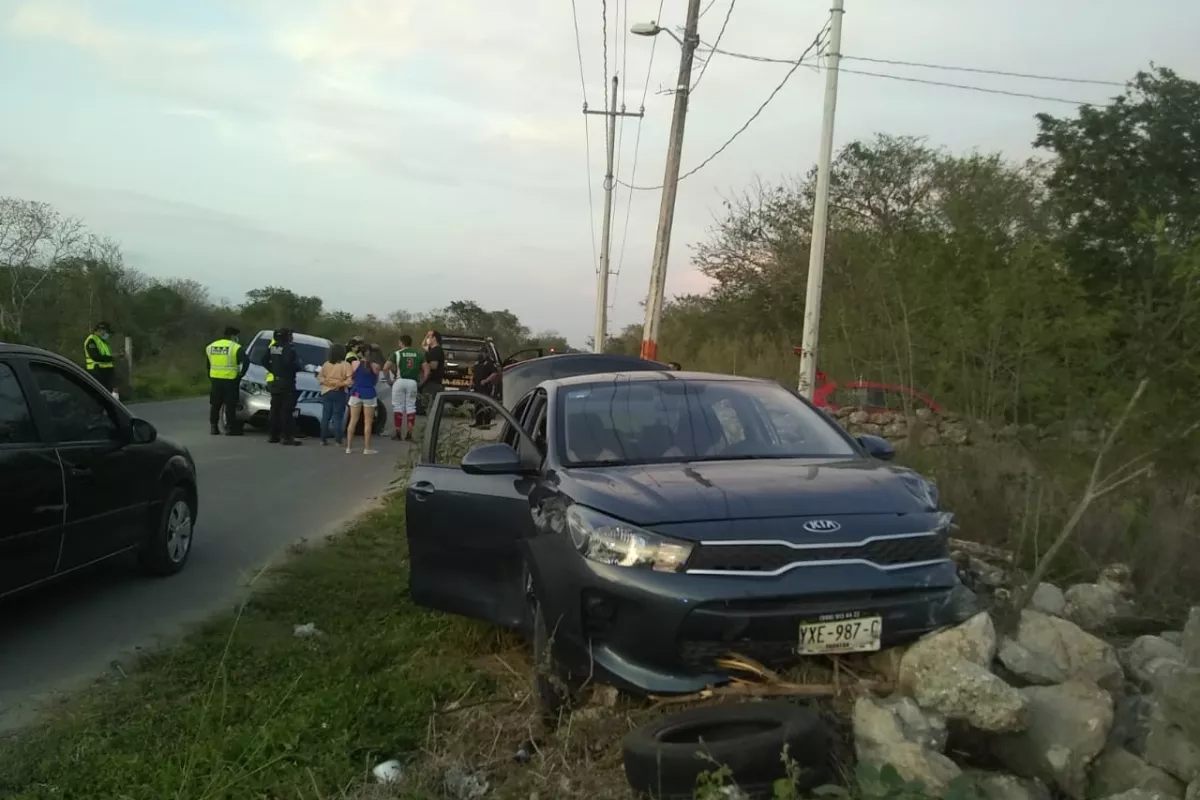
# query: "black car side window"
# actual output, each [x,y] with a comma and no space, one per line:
[16,421]
[78,412]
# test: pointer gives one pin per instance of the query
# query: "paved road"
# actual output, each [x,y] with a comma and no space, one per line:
[255,500]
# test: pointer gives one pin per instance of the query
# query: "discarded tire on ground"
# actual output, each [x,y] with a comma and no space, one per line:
[664,758]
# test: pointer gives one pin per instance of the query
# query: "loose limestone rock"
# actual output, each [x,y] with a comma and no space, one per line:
[1049,599]
[1048,650]
[1068,727]
[1169,749]
[1093,606]
[963,690]
[1143,651]
[974,641]
[1178,693]
[884,733]
[1118,770]
[1002,786]
[1138,794]
[1191,638]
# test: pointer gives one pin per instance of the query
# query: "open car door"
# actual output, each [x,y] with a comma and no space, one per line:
[523,355]
[465,528]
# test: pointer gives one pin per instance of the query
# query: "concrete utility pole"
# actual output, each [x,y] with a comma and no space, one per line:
[820,222]
[606,234]
[666,211]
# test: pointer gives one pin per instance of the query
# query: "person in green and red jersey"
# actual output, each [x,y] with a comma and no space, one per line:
[405,364]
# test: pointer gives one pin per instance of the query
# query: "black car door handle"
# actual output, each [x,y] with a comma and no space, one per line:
[48,509]
[422,489]
[81,472]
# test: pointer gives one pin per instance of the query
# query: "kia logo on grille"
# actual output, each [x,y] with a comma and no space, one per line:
[822,526]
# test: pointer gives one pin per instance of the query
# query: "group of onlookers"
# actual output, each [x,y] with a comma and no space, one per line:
[350,379]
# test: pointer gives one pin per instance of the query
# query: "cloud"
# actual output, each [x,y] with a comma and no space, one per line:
[73,25]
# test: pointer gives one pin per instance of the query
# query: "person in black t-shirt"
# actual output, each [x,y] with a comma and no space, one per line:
[434,367]
[486,380]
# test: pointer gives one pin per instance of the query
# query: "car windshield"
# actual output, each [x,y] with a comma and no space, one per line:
[645,422]
[311,354]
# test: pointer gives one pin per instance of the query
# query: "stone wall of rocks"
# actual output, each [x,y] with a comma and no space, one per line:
[930,429]
[936,430]
[1065,709]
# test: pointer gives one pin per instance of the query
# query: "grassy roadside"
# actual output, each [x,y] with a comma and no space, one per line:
[243,708]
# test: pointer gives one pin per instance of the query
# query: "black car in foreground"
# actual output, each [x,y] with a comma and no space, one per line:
[642,525]
[81,479]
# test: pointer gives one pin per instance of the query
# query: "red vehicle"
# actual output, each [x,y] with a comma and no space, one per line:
[868,395]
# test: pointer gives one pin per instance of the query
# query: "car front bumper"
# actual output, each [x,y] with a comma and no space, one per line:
[256,408]
[661,633]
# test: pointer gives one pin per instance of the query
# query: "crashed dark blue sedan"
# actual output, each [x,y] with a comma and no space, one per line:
[640,526]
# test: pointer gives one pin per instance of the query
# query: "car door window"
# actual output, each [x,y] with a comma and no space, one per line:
[16,421]
[78,412]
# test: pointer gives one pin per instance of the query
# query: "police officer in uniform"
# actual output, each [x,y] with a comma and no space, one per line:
[98,357]
[282,363]
[227,364]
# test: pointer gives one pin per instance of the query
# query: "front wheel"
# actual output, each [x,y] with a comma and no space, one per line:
[168,543]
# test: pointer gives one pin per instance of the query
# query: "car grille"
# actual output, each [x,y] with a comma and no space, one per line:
[882,551]
[307,396]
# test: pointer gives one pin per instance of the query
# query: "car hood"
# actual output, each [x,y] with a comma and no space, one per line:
[305,381]
[763,489]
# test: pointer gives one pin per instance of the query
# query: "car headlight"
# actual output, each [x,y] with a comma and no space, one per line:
[603,539]
[253,387]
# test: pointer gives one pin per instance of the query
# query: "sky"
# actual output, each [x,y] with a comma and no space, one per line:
[403,154]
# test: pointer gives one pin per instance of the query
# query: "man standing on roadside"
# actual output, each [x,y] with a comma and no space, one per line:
[227,364]
[406,363]
[283,364]
[485,377]
[434,368]
[98,357]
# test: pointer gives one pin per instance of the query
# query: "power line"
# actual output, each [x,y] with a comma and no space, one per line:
[795,66]
[587,143]
[980,71]
[716,44]
[711,3]
[923,65]
[966,87]
[636,148]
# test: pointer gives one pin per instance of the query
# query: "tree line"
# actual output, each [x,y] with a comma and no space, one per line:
[1021,292]
[58,278]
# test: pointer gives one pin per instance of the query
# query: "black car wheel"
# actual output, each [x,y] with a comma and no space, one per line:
[665,757]
[168,542]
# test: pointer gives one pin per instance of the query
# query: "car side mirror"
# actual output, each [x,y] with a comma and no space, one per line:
[492,459]
[877,447]
[142,432]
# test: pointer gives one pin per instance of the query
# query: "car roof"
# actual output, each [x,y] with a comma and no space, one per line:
[7,348]
[302,338]
[557,357]
[648,376]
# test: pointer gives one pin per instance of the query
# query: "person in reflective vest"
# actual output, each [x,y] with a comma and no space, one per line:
[227,364]
[98,356]
[282,363]
[354,349]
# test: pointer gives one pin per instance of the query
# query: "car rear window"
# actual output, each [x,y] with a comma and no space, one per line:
[463,350]
[312,354]
[640,422]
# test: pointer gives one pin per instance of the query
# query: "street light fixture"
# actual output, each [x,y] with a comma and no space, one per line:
[652,29]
